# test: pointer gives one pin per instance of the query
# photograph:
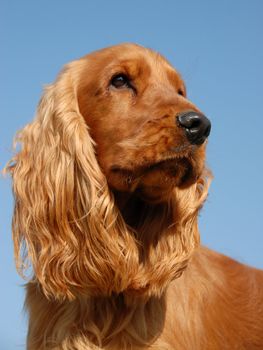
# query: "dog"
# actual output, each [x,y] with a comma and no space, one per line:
[108,183]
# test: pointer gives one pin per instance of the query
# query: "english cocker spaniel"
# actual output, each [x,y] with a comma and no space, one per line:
[108,183]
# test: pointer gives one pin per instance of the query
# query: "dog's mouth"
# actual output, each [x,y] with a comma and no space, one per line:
[158,181]
[172,167]
[175,170]
[154,180]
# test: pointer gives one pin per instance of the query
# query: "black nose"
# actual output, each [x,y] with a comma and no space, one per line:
[197,126]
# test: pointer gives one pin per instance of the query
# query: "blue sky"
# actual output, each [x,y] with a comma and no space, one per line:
[218,48]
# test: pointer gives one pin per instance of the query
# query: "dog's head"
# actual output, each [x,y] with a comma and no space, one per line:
[149,136]
[110,177]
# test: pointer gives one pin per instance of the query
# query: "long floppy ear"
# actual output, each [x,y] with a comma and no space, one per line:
[65,224]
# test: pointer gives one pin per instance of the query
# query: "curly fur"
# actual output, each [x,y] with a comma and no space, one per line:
[101,275]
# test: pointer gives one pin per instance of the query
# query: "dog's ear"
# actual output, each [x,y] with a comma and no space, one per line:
[65,223]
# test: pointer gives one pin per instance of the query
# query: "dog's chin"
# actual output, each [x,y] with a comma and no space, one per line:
[155,183]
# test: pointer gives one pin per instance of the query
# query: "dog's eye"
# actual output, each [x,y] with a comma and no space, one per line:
[180,92]
[120,81]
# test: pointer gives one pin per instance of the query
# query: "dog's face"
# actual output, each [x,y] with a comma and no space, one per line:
[149,136]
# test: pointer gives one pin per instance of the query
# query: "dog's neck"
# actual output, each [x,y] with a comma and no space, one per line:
[166,236]
[147,220]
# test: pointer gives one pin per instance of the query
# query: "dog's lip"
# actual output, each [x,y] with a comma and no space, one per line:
[169,160]
[174,154]
[182,150]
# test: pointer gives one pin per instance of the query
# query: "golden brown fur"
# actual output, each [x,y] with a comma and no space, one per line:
[107,193]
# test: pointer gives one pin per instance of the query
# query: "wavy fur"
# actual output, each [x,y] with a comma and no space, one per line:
[98,281]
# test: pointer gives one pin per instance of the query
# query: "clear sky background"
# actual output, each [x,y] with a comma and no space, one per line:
[218,48]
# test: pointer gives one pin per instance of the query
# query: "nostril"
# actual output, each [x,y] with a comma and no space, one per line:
[195,123]
[189,120]
[197,126]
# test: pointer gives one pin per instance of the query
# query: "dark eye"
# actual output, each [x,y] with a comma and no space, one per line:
[120,81]
[180,92]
